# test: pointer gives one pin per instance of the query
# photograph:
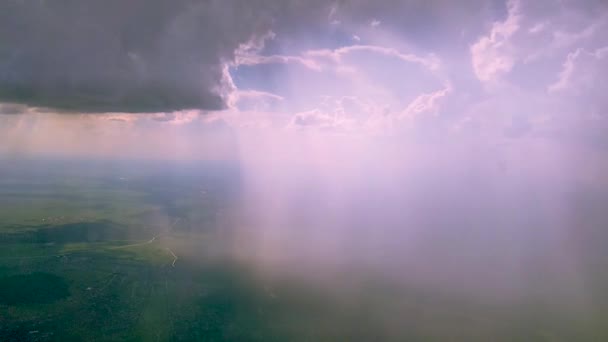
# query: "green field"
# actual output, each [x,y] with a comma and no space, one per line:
[133,256]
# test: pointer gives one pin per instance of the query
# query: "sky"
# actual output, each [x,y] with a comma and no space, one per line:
[418,124]
[169,79]
[193,79]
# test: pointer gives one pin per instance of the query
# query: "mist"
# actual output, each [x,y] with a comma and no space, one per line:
[447,217]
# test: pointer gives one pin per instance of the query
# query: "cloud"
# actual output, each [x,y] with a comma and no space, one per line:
[431,61]
[314,118]
[255,100]
[422,22]
[580,71]
[249,60]
[317,59]
[256,94]
[347,86]
[361,117]
[314,64]
[581,95]
[426,103]
[139,56]
[12,109]
[490,55]
[152,56]
[534,36]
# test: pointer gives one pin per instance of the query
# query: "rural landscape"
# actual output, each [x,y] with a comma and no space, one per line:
[133,255]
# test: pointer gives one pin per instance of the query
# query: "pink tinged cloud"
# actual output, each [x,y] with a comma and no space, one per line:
[490,55]
[319,60]
[431,61]
[426,103]
[579,69]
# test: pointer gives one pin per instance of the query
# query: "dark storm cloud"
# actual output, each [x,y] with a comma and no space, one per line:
[130,56]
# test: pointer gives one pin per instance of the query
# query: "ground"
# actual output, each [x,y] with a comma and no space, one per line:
[127,255]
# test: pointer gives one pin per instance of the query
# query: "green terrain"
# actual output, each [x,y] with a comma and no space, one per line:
[128,255]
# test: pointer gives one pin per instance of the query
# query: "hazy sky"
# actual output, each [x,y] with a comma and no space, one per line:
[488,85]
[203,75]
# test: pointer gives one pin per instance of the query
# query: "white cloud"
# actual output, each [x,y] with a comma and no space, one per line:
[256,94]
[276,59]
[318,60]
[537,28]
[314,119]
[426,104]
[580,91]
[579,71]
[255,100]
[533,36]
[491,55]
[431,61]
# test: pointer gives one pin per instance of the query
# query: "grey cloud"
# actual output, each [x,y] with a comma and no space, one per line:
[164,117]
[135,56]
[12,109]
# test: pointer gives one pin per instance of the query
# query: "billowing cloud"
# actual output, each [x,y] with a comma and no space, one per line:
[491,55]
[426,103]
[583,72]
[534,36]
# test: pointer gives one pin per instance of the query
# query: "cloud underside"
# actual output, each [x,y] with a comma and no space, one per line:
[141,56]
[135,56]
[101,98]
